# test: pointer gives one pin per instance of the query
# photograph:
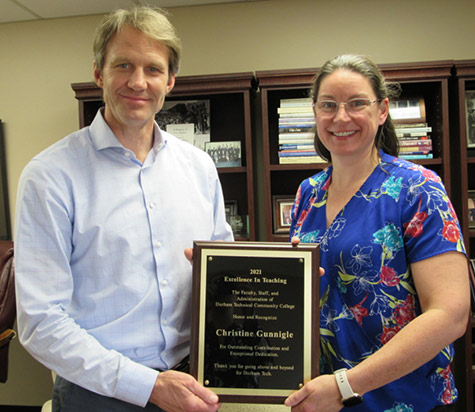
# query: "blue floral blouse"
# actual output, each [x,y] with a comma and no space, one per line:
[401,214]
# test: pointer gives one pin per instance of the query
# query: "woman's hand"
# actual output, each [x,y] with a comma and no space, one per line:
[319,395]
[295,242]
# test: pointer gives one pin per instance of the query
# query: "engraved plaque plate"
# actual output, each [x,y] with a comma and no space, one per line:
[255,325]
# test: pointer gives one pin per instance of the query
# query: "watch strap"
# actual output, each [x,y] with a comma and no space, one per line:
[343,384]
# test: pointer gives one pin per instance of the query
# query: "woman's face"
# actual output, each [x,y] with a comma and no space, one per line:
[343,133]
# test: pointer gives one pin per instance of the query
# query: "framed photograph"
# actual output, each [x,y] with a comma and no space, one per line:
[281,208]
[224,154]
[470,115]
[5,227]
[471,209]
[189,120]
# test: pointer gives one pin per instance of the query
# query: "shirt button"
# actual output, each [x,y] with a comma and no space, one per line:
[165,322]
[152,205]
[158,244]
[127,154]
[164,283]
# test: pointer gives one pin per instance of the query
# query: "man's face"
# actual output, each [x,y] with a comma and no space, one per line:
[135,80]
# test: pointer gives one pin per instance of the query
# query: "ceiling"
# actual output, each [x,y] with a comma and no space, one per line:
[24,10]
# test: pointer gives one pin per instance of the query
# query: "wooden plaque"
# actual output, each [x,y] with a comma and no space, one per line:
[255,319]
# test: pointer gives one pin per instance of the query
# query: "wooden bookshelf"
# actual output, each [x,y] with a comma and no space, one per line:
[427,80]
[464,79]
[230,97]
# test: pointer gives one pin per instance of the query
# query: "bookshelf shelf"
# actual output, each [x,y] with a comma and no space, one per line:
[230,98]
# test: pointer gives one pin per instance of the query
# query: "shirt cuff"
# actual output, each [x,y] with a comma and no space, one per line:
[135,383]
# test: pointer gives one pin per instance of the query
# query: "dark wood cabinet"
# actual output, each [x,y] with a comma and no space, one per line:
[230,98]
[464,181]
[442,85]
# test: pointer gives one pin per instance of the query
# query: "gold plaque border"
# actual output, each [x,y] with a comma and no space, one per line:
[310,254]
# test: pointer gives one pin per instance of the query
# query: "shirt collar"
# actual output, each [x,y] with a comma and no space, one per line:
[103,137]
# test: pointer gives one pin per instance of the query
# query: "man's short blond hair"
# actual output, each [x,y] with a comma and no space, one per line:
[152,22]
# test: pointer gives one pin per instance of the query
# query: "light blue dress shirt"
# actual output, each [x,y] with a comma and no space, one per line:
[103,286]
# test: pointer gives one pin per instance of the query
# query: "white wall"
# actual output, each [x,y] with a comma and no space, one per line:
[40,59]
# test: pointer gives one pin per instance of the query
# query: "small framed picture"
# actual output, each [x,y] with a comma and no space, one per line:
[470,114]
[231,208]
[224,154]
[471,209]
[282,207]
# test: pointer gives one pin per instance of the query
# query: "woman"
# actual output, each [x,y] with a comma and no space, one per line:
[395,292]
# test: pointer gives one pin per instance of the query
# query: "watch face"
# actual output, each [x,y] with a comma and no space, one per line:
[353,400]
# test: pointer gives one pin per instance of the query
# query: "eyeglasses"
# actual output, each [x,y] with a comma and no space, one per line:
[352,106]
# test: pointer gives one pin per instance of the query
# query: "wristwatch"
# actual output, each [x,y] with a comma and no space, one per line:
[348,397]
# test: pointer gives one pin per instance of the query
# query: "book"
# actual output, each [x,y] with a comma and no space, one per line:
[296,146]
[301,160]
[415,142]
[307,115]
[415,148]
[409,125]
[283,138]
[295,110]
[411,130]
[416,156]
[403,153]
[296,120]
[295,128]
[296,141]
[304,101]
[297,153]
[297,135]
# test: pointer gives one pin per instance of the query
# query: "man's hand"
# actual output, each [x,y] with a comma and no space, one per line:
[179,392]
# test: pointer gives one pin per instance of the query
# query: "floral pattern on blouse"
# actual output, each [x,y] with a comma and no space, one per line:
[400,215]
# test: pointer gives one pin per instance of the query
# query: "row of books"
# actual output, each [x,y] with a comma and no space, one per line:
[409,117]
[296,132]
[414,141]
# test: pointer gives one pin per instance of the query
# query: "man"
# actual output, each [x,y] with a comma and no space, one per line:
[103,218]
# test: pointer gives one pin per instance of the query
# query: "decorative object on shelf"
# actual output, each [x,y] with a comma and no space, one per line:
[470,115]
[239,223]
[471,208]
[282,206]
[188,120]
[224,154]
[5,228]
[231,208]
[240,226]
[410,110]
